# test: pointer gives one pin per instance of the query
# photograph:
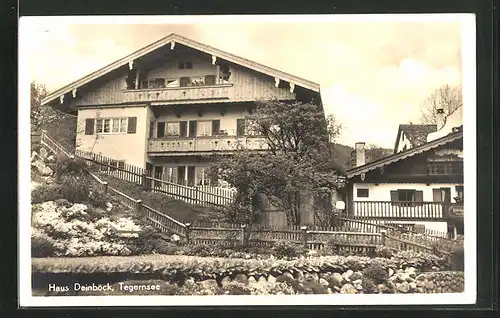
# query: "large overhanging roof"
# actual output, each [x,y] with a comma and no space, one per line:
[405,154]
[171,40]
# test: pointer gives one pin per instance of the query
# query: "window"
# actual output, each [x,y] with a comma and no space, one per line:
[204,128]
[173,83]
[445,167]
[120,164]
[170,174]
[197,81]
[202,177]
[160,129]
[173,129]
[362,193]
[240,127]
[437,195]
[460,194]
[151,129]
[153,83]
[185,65]
[111,125]
[407,196]
[119,125]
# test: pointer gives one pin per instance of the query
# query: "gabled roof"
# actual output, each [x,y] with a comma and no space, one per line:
[416,134]
[455,135]
[174,38]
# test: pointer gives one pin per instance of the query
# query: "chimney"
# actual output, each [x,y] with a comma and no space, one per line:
[441,118]
[360,154]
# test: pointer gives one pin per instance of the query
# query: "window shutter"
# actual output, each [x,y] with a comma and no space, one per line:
[240,127]
[210,80]
[89,126]
[192,128]
[151,129]
[160,129]
[394,195]
[419,196]
[184,81]
[215,126]
[183,128]
[132,125]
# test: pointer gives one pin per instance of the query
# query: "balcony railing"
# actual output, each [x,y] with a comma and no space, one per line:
[221,91]
[398,210]
[204,144]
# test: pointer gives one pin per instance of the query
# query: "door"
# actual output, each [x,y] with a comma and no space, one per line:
[181,175]
[190,176]
[446,193]
[192,128]
[158,174]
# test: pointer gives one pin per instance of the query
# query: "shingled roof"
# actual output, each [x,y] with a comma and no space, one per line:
[416,134]
[456,134]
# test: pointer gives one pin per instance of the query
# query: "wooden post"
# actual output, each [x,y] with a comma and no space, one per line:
[383,234]
[243,227]
[304,236]
[138,208]
[105,187]
[188,225]
[145,181]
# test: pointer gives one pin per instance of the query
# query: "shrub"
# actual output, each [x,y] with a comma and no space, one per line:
[45,192]
[41,245]
[377,273]
[287,250]
[150,240]
[457,259]
[97,198]
[200,250]
[372,276]
[74,189]
[385,252]
[65,167]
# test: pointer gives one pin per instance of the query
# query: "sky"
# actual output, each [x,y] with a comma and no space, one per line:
[374,74]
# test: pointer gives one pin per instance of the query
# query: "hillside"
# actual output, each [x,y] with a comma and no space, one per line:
[344,154]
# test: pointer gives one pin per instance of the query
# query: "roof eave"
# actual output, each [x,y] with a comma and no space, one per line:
[190,43]
[403,155]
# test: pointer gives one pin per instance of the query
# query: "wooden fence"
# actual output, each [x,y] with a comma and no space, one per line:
[203,195]
[362,236]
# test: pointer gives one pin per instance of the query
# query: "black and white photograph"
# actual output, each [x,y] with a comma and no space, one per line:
[247,160]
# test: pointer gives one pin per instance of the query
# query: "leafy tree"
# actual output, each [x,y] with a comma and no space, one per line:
[58,124]
[448,98]
[299,157]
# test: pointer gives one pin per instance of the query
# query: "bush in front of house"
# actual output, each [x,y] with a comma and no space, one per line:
[41,244]
[287,250]
[73,167]
[74,234]
[45,192]
[457,259]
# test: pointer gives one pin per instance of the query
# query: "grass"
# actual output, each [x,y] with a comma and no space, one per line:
[178,209]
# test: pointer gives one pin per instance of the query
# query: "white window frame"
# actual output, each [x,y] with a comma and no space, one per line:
[122,125]
[172,124]
[200,124]
[203,172]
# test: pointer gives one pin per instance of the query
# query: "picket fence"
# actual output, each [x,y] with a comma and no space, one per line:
[351,235]
[202,195]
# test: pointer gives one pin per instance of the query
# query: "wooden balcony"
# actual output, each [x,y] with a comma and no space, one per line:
[398,210]
[179,94]
[200,145]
